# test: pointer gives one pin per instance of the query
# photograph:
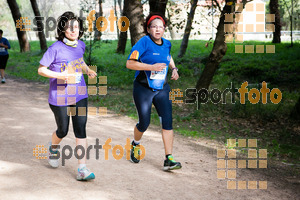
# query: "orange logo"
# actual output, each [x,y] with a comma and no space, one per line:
[134,55]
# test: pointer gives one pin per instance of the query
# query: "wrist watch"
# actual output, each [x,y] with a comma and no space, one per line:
[175,68]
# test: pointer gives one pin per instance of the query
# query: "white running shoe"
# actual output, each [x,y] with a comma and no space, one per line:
[84,174]
[52,160]
[3,80]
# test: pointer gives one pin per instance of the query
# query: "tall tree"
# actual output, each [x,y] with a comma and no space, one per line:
[120,6]
[135,15]
[170,11]
[274,9]
[290,14]
[97,34]
[115,7]
[219,48]
[158,6]
[46,8]
[40,25]
[123,35]
[188,28]
[15,11]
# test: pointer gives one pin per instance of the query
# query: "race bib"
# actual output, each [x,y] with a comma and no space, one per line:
[2,49]
[160,75]
[75,79]
[78,77]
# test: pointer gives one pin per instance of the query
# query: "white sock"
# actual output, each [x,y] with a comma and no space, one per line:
[80,166]
[136,142]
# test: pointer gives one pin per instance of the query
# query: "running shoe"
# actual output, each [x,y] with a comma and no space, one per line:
[135,153]
[84,174]
[3,80]
[52,157]
[171,164]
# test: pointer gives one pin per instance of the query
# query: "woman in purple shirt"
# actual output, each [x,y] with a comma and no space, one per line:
[63,63]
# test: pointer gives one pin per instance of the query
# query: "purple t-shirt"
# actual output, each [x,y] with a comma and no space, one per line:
[58,57]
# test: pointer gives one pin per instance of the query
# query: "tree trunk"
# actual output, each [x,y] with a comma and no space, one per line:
[274,9]
[171,29]
[158,6]
[115,5]
[23,41]
[236,20]
[40,25]
[136,18]
[218,51]
[123,35]
[97,34]
[295,114]
[120,6]
[188,28]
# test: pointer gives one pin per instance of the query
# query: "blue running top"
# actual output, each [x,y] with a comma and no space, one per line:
[147,51]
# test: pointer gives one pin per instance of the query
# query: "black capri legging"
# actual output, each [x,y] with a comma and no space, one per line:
[144,97]
[62,119]
[3,61]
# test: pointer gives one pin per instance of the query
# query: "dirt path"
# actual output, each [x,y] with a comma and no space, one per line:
[26,121]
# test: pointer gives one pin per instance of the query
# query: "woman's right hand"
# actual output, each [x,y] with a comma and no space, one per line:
[159,66]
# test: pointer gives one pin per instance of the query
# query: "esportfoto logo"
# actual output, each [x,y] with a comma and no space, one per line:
[41,152]
[216,96]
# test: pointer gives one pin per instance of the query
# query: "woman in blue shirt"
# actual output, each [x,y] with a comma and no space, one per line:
[151,59]
[4,45]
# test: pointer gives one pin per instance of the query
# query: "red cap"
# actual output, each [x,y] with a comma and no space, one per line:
[154,17]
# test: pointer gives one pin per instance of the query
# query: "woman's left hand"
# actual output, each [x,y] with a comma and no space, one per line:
[175,75]
[91,73]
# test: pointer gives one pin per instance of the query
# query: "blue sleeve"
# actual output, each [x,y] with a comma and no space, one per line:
[170,46]
[7,43]
[138,49]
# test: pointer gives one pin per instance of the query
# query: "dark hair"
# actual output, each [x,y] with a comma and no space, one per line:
[148,18]
[1,32]
[62,25]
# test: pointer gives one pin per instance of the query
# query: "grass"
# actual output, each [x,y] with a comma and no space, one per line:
[269,123]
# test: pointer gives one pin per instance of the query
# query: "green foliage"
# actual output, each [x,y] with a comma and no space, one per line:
[285,7]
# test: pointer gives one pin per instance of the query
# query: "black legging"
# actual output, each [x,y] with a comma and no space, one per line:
[62,119]
[3,61]
[144,97]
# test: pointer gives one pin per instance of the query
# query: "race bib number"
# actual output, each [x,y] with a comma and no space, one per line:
[2,49]
[158,74]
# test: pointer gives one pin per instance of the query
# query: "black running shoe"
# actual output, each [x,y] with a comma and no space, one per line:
[171,164]
[135,153]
